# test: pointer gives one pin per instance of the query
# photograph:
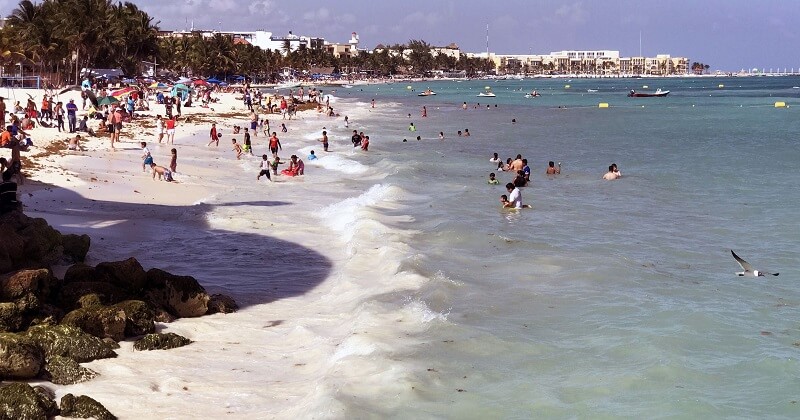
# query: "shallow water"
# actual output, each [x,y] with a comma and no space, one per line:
[390,283]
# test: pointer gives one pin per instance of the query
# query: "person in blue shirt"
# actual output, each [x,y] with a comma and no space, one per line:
[72,109]
[526,170]
[312,156]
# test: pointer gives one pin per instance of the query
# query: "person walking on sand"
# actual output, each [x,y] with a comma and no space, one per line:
[324,140]
[265,167]
[117,121]
[72,118]
[160,128]
[58,111]
[173,162]
[171,129]
[146,156]
[274,144]
[424,111]
[214,135]
[237,148]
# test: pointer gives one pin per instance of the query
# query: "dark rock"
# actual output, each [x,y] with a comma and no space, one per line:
[161,315]
[221,304]
[127,275]
[99,321]
[17,284]
[181,296]
[23,402]
[83,407]
[139,317]
[71,296]
[76,247]
[20,357]
[10,317]
[70,341]
[46,315]
[160,341]
[66,371]
[42,243]
[90,300]
[11,248]
[84,273]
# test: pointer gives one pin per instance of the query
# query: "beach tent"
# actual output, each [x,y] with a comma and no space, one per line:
[179,88]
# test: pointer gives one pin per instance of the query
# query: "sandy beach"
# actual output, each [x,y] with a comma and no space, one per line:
[265,352]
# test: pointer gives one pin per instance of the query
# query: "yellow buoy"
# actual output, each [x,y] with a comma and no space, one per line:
[780,104]
[602,105]
[721,86]
[645,87]
[408,87]
[566,86]
[487,87]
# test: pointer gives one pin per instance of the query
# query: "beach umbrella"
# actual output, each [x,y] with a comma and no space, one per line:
[107,100]
[200,82]
[158,85]
[124,91]
[184,80]
[180,87]
[213,81]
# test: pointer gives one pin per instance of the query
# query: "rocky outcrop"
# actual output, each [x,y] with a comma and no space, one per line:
[221,304]
[49,326]
[20,357]
[31,243]
[76,247]
[99,321]
[83,407]
[181,296]
[66,371]
[70,341]
[139,317]
[23,402]
[160,341]
[127,275]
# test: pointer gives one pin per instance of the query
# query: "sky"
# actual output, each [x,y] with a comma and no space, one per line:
[725,34]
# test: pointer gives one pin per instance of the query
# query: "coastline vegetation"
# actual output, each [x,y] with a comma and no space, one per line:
[57,38]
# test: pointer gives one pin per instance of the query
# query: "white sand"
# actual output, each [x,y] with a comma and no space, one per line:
[261,362]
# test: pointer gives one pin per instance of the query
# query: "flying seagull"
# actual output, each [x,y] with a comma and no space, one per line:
[748,269]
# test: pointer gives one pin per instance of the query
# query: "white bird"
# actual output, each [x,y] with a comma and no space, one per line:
[748,269]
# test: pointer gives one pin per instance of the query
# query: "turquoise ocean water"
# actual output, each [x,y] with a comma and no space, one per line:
[607,299]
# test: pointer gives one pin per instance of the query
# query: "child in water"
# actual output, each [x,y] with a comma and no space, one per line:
[494,181]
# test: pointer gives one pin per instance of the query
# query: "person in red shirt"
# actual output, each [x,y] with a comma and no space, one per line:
[170,124]
[214,135]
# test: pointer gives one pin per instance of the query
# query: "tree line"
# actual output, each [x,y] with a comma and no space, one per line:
[60,37]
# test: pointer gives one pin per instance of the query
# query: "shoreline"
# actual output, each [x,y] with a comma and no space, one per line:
[126,213]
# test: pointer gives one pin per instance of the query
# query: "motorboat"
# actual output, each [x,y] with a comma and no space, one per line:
[657,93]
[591,90]
[487,94]
[427,92]
[532,94]
[287,85]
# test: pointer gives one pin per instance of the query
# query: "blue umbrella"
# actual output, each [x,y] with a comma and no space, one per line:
[214,81]
[180,87]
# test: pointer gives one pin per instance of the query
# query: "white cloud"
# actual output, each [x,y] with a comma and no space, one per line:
[574,13]
[222,5]
[321,14]
[261,7]
[418,18]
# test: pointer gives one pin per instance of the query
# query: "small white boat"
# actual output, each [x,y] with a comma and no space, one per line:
[287,85]
[487,94]
[427,93]
[591,90]
[532,94]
